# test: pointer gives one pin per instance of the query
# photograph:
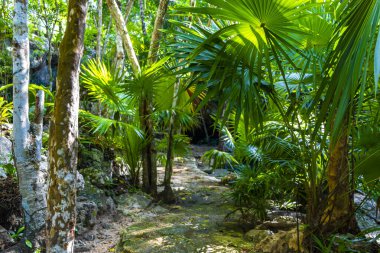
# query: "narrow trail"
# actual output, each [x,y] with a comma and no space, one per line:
[196,223]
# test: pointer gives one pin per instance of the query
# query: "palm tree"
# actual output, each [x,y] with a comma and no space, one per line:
[252,41]
[347,73]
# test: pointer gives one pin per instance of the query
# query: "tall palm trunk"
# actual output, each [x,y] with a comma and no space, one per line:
[149,151]
[63,146]
[27,136]
[168,195]
[339,210]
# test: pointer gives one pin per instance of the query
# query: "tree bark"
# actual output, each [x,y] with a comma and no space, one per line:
[27,136]
[149,150]
[63,146]
[120,56]
[100,29]
[123,31]
[142,17]
[158,24]
[128,10]
[339,210]
[168,194]
[107,37]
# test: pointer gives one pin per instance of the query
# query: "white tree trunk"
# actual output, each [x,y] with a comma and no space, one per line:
[120,56]
[123,31]
[27,136]
[100,29]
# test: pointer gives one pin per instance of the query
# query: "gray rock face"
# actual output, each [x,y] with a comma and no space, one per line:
[5,239]
[134,201]
[281,242]
[87,212]
[366,216]
[5,154]
[257,235]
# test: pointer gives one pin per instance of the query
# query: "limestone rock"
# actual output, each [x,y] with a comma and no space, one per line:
[366,216]
[5,239]
[281,242]
[87,212]
[257,235]
[281,223]
[80,181]
[5,154]
[137,200]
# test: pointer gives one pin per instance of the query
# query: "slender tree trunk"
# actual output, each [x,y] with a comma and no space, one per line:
[27,136]
[158,24]
[149,150]
[120,56]
[63,146]
[123,31]
[149,184]
[100,29]
[168,194]
[107,38]
[50,70]
[205,126]
[338,214]
[142,17]
[128,10]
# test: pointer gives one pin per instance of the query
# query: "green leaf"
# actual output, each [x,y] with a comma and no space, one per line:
[28,243]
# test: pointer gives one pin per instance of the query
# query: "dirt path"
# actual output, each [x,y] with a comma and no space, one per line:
[195,224]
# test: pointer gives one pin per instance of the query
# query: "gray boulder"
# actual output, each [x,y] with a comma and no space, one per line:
[5,154]
[257,235]
[5,239]
[87,212]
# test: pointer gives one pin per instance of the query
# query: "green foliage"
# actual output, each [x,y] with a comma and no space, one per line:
[251,193]
[219,159]
[9,169]
[180,147]
[5,111]
[18,234]
[343,243]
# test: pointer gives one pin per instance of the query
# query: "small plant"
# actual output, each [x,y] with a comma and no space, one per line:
[17,235]
[219,159]
[9,169]
[5,111]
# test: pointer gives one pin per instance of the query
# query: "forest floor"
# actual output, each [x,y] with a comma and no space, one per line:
[196,223]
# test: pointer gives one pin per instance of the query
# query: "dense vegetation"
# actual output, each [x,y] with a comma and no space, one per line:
[285,90]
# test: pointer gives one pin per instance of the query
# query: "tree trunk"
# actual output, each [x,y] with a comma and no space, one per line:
[120,56]
[158,24]
[128,10]
[27,136]
[123,31]
[149,152]
[100,28]
[142,17]
[168,194]
[107,37]
[63,146]
[338,214]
